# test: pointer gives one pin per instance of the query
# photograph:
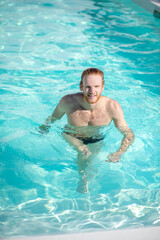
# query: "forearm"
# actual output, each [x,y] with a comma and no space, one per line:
[126,141]
[77,144]
[50,120]
[58,113]
[47,124]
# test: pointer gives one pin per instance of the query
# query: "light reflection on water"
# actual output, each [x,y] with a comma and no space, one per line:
[43,56]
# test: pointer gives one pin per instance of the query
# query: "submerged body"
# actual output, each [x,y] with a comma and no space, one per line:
[82,122]
[87,113]
[90,108]
[85,123]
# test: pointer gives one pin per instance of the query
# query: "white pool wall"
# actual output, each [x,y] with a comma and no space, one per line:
[149,5]
[152,233]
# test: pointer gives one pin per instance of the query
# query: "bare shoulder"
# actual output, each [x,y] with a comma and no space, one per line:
[113,107]
[69,99]
[116,113]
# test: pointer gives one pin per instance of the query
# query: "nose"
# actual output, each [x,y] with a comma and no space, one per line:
[91,90]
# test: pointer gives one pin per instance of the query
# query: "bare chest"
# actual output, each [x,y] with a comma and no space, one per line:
[87,117]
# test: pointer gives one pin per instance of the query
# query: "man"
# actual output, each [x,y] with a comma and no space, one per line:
[87,112]
[89,108]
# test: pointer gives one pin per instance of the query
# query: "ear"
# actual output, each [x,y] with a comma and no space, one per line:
[103,86]
[81,86]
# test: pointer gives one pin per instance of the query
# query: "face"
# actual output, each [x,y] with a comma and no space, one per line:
[92,88]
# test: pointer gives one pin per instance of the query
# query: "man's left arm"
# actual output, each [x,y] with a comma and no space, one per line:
[120,123]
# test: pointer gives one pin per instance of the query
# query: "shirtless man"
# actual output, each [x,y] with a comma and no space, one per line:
[89,108]
[87,112]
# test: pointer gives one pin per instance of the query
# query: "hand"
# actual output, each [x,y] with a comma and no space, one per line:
[86,153]
[114,157]
[84,150]
[43,129]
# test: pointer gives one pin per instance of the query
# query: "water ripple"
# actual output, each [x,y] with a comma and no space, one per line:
[44,48]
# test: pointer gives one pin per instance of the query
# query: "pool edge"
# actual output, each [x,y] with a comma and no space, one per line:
[152,6]
[146,233]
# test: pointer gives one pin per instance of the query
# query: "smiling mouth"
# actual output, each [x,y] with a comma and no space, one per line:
[91,96]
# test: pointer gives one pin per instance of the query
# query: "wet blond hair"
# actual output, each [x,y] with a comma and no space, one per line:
[90,71]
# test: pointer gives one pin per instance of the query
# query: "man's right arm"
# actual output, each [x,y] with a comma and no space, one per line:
[58,113]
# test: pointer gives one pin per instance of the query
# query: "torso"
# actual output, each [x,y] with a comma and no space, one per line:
[79,117]
[82,117]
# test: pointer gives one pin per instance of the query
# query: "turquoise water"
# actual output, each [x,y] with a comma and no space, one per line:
[44,47]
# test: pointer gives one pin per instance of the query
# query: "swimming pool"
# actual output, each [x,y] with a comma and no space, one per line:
[44,48]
